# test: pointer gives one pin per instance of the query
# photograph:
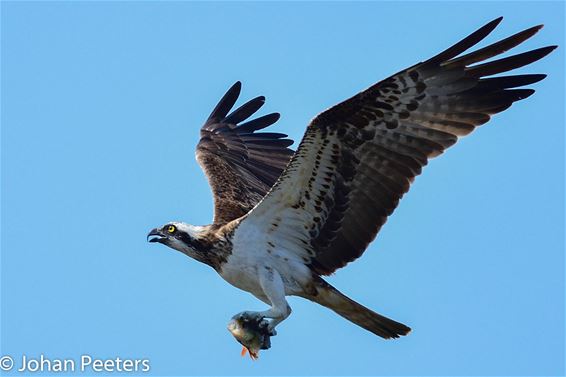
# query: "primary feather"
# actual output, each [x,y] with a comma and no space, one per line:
[240,163]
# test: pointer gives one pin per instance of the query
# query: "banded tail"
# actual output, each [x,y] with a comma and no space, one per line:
[384,327]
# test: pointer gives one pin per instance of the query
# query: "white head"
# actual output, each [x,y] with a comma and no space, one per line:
[185,238]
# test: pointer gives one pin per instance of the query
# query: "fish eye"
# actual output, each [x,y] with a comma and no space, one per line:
[171,229]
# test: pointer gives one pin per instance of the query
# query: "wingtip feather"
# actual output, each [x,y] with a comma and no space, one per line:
[226,102]
[496,21]
[467,42]
[508,63]
[526,94]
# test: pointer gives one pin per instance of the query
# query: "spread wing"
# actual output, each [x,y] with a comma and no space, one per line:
[241,164]
[358,158]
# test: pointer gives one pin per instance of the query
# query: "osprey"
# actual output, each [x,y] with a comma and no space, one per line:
[283,219]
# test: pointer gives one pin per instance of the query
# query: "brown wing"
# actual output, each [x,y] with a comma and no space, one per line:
[241,164]
[359,158]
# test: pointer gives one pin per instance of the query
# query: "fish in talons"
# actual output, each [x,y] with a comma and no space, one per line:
[252,333]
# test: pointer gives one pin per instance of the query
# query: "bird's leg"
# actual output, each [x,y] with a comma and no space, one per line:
[274,289]
[274,292]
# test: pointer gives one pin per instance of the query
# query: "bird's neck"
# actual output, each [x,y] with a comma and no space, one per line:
[213,246]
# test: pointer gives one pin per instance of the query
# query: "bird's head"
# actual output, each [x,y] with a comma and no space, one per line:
[185,238]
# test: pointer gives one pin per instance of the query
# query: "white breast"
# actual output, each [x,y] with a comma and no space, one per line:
[252,249]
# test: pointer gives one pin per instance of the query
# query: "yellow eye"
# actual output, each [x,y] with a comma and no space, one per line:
[171,229]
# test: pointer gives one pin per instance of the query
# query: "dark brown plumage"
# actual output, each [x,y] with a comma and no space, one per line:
[241,164]
[366,151]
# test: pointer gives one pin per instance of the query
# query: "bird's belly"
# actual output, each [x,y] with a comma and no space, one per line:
[243,272]
[243,276]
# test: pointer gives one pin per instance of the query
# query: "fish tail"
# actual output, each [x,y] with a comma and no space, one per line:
[328,296]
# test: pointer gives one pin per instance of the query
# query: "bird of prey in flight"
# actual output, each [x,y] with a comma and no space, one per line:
[284,218]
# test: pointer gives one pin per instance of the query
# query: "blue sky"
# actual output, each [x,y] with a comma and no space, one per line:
[101,106]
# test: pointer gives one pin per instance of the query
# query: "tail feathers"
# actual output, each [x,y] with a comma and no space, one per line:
[360,315]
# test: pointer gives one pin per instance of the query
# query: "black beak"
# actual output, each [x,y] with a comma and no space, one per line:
[156,236]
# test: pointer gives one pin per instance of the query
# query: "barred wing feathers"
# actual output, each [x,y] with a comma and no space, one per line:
[241,164]
[358,158]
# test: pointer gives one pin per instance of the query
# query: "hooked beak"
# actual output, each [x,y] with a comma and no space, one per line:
[156,236]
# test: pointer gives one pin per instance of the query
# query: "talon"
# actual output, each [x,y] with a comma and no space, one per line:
[246,317]
[263,323]
[265,342]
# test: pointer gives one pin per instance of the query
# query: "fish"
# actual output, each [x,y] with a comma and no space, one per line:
[252,334]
